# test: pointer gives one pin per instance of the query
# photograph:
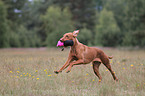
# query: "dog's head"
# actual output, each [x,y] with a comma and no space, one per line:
[69,36]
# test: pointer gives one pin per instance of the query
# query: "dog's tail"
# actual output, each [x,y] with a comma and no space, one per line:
[110,57]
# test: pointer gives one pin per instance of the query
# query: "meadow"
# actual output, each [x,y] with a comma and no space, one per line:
[30,72]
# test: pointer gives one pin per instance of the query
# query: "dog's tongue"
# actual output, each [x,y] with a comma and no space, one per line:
[59,44]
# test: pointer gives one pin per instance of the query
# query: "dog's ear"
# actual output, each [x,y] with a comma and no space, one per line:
[75,33]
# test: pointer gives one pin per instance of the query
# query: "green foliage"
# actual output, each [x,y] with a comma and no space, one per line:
[135,22]
[43,22]
[134,11]
[107,31]
[117,7]
[55,23]
[135,38]
[14,8]
[27,38]
[24,38]
[83,12]
[85,36]
[130,17]
[4,42]
[14,39]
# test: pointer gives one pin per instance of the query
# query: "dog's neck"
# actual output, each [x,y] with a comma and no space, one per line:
[76,42]
[74,47]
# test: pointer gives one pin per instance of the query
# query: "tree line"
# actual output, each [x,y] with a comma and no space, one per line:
[37,23]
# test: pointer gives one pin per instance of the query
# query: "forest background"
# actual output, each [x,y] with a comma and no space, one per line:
[41,23]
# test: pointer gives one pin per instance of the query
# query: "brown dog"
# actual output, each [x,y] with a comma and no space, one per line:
[82,54]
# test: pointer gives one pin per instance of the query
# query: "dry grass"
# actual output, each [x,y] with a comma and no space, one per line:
[29,72]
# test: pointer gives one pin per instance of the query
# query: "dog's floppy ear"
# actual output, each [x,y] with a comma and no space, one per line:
[75,33]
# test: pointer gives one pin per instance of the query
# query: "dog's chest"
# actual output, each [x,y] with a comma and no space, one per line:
[77,53]
[74,53]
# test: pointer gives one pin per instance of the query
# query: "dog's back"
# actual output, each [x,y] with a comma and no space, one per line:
[90,54]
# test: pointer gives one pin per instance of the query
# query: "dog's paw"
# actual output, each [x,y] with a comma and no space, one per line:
[56,72]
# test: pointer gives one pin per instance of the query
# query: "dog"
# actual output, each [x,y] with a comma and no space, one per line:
[82,54]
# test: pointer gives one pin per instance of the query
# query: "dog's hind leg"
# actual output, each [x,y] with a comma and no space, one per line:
[96,65]
[105,61]
[108,66]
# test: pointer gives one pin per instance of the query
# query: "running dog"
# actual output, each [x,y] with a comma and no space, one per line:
[82,54]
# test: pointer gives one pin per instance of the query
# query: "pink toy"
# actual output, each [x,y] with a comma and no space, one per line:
[60,44]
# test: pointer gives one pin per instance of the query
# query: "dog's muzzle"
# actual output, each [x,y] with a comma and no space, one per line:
[68,43]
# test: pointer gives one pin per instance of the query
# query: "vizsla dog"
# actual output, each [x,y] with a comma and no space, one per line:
[82,54]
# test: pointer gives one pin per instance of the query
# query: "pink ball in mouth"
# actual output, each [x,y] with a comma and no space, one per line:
[59,44]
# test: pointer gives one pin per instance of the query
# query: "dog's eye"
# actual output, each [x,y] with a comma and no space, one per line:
[67,36]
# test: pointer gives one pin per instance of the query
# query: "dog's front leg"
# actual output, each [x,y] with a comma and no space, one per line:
[65,65]
[80,61]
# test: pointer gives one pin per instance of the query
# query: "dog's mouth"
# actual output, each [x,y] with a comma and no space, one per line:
[68,43]
[65,43]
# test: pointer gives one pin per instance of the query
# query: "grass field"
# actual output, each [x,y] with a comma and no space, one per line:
[29,72]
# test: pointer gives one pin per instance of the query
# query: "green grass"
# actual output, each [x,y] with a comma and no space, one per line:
[29,72]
